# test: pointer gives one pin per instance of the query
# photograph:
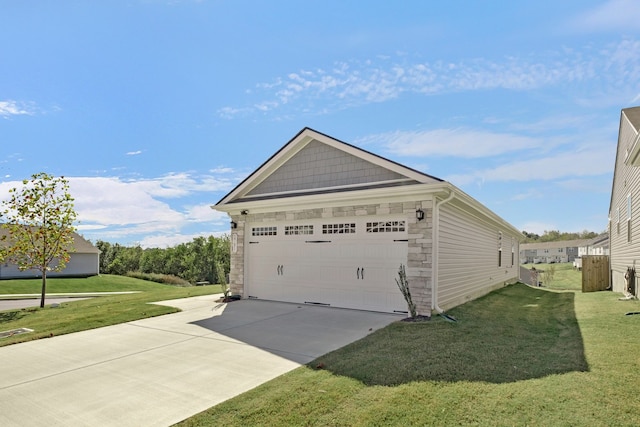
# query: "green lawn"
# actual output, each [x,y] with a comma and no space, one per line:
[102,283]
[519,356]
[565,277]
[91,313]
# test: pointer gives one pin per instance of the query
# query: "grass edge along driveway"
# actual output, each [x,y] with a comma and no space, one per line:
[518,356]
[91,313]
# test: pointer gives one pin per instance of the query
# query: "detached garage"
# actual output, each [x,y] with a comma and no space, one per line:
[323,222]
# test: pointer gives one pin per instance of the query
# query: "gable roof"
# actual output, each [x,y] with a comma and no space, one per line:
[633,114]
[315,163]
[314,169]
[80,244]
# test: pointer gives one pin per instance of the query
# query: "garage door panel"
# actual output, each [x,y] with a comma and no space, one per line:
[342,270]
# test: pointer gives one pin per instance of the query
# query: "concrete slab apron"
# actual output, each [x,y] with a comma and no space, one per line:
[159,371]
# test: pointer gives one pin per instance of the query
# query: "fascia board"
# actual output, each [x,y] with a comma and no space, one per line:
[418,192]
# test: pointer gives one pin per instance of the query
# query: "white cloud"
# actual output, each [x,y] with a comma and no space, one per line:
[588,162]
[110,208]
[204,213]
[612,15]
[10,108]
[180,184]
[134,153]
[222,170]
[532,193]
[538,227]
[615,68]
[113,202]
[466,143]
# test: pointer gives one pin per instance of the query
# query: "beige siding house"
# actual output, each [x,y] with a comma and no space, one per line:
[84,262]
[624,209]
[323,222]
[551,252]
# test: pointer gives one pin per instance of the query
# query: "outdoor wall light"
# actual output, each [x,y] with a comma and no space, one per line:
[419,214]
[234,224]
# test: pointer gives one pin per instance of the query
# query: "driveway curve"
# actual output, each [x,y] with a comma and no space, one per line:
[158,371]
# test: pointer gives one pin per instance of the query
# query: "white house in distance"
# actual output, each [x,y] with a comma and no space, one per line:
[599,245]
[84,262]
[550,252]
[324,222]
[624,208]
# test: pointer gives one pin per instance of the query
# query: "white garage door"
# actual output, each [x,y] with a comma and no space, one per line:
[350,263]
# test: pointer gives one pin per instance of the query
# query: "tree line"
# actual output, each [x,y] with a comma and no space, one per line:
[555,236]
[204,259]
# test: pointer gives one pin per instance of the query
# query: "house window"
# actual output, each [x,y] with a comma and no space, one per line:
[298,230]
[348,228]
[618,220]
[499,249]
[264,231]
[513,254]
[385,227]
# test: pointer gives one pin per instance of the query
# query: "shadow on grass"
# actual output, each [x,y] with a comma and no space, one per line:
[513,334]
[9,316]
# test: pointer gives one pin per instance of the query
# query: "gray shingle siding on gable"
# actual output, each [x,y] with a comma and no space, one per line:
[321,166]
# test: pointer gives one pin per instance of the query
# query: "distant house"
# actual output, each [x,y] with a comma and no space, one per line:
[624,209]
[326,223]
[84,262]
[599,245]
[550,252]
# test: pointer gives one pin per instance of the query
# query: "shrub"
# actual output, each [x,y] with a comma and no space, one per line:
[403,285]
[166,279]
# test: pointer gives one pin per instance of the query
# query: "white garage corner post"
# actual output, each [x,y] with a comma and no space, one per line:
[436,248]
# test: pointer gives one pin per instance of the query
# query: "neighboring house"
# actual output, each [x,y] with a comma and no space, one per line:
[624,208]
[84,262]
[550,252]
[324,222]
[599,245]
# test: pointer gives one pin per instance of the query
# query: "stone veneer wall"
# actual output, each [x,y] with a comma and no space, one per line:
[420,245]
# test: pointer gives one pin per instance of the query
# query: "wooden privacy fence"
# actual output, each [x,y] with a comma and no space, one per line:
[595,273]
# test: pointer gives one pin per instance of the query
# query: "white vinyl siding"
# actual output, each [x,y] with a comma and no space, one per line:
[467,265]
[80,265]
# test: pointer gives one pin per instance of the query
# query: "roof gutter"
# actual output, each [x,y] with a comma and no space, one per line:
[436,249]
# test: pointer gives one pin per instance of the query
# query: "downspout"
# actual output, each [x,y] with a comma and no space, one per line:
[435,250]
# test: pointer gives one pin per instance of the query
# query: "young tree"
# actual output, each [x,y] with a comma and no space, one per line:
[39,219]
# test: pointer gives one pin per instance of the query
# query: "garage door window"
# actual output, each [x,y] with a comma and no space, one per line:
[385,227]
[264,231]
[298,230]
[348,228]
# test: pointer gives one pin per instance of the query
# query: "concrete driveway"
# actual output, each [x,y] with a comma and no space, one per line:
[158,371]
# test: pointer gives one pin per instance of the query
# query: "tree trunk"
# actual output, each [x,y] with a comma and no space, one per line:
[44,288]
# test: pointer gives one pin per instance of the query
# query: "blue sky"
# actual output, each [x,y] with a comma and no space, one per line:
[155,109]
